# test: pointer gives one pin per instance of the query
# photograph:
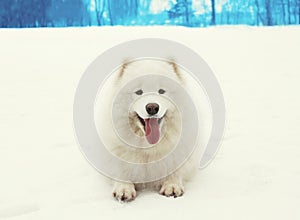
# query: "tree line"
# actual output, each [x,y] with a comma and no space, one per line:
[193,13]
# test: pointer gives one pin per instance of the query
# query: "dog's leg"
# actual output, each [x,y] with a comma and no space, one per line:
[124,191]
[172,186]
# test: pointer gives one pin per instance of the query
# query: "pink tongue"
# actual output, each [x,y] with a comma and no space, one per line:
[152,130]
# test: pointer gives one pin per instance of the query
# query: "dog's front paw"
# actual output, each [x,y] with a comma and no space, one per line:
[124,192]
[171,189]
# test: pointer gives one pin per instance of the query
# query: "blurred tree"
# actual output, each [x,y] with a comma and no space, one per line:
[115,12]
[122,11]
[213,12]
[68,13]
[182,10]
[99,11]
[6,13]
[29,13]
[268,12]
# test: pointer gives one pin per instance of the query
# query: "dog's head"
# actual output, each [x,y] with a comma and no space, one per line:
[152,114]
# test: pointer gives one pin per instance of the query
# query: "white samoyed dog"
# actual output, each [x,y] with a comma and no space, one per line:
[145,117]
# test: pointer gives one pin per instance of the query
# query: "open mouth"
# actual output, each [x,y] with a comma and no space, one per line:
[143,120]
[151,128]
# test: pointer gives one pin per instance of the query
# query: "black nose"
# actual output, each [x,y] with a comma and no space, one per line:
[152,108]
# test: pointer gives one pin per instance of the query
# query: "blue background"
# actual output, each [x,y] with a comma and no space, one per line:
[192,13]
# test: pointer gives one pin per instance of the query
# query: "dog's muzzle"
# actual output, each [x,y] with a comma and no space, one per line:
[152,128]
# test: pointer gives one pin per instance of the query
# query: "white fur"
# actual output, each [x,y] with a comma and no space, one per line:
[171,185]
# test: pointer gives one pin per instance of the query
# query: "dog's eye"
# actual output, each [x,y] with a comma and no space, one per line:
[139,92]
[161,91]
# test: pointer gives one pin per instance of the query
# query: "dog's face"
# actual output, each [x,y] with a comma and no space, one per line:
[144,90]
[149,113]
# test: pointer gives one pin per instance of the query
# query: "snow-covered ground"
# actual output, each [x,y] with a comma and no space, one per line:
[255,175]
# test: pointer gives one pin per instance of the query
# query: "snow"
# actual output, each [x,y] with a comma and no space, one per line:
[255,175]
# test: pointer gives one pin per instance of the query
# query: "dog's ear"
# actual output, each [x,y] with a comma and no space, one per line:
[176,70]
[122,70]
